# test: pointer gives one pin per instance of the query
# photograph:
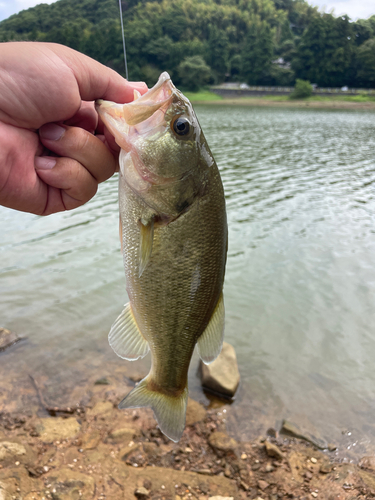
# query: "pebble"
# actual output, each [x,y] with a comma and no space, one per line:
[314,494]
[313,460]
[221,441]
[141,493]
[262,484]
[273,450]
[244,456]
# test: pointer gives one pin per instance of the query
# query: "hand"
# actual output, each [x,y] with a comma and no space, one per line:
[50,158]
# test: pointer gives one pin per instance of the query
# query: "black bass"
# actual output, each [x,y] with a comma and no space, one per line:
[174,240]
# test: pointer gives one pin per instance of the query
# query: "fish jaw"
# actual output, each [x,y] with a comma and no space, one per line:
[126,121]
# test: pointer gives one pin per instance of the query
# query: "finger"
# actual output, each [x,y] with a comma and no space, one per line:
[70,184]
[45,82]
[86,117]
[96,80]
[78,144]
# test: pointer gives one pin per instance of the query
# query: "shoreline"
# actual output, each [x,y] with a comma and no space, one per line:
[95,450]
[259,102]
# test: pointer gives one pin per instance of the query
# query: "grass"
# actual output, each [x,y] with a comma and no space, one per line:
[202,96]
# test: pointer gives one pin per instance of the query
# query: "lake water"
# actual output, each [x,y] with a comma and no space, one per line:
[299,289]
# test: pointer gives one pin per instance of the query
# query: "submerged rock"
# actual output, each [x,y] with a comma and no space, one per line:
[367,463]
[7,339]
[195,412]
[222,376]
[57,429]
[68,484]
[124,434]
[294,430]
[100,408]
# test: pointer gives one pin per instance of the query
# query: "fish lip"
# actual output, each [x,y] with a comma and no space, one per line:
[146,105]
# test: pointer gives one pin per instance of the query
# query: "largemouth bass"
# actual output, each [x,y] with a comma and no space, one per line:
[174,241]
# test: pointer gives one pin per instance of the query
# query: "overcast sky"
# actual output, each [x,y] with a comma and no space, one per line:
[354,8]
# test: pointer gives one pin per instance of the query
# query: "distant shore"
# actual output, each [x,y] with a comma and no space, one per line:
[368,106]
[284,102]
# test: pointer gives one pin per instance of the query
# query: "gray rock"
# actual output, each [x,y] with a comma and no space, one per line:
[7,339]
[222,376]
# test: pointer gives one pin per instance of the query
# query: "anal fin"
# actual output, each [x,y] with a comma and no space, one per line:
[125,338]
[211,341]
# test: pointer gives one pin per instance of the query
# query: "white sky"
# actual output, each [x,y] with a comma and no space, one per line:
[354,8]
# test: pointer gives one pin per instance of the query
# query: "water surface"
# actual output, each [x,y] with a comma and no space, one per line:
[299,289]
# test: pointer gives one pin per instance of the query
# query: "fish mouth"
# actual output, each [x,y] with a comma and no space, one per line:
[119,118]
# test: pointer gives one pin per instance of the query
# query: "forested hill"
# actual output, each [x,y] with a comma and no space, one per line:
[265,42]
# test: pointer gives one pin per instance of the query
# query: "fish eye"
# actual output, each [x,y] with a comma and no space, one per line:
[181,126]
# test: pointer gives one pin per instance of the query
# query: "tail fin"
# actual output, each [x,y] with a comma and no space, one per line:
[170,411]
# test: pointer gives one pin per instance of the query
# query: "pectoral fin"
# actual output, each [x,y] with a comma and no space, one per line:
[125,338]
[145,247]
[211,341]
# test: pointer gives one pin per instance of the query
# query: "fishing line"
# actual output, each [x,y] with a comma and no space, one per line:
[123,41]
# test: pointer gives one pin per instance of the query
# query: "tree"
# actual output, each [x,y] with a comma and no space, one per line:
[366,63]
[302,89]
[257,52]
[194,73]
[325,52]
[217,54]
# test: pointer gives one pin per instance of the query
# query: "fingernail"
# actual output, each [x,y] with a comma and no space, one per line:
[44,162]
[51,131]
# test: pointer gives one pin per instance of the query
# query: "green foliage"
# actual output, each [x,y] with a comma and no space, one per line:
[234,40]
[194,73]
[302,89]
[257,52]
[366,63]
[325,52]
[203,96]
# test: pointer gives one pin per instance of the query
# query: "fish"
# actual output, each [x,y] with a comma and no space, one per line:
[173,232]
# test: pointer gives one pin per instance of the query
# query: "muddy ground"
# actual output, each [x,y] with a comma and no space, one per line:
[95,451]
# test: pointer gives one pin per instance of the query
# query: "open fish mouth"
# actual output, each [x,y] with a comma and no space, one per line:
[145,113]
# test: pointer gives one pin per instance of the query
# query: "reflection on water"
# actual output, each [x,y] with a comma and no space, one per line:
[300,283]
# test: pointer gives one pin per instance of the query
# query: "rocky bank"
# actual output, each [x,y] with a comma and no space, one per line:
[95,451]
